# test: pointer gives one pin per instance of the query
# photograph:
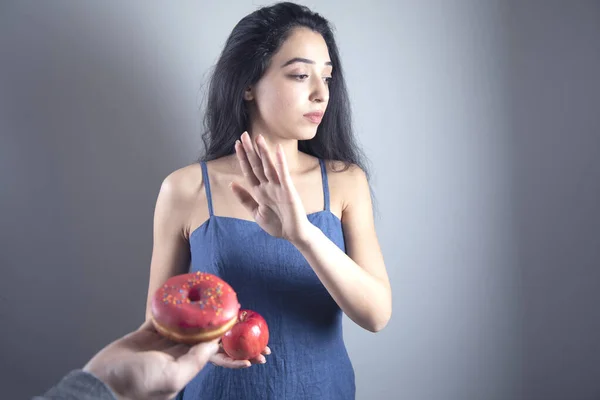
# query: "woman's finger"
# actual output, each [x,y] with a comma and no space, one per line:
[253,158]
[245,198]
[245,164]
[282,168]
[267,161]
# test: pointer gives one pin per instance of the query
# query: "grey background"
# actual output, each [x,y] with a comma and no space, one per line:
[482,122]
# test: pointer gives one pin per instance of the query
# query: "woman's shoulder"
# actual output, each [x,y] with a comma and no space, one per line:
[347,182]
[184,179]
[344,172]
[183,185]
[186,184]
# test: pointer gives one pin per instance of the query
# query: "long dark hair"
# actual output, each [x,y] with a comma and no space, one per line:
[243,61]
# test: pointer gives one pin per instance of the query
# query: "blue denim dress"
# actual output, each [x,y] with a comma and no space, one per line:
[309,358]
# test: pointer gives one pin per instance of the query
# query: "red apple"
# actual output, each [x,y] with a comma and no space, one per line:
[248,337]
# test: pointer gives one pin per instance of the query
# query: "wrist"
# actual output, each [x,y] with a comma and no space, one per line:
[102,375]
[109,377]
[307,236]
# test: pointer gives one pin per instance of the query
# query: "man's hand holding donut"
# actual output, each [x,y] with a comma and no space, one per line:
[145,365]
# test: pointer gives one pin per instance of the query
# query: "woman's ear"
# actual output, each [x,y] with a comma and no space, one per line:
[249,94]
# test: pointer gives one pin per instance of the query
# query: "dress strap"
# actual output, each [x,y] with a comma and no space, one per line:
[207,187]
[325,183]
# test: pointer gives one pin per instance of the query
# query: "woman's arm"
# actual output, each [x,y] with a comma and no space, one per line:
[177,198]
[170,249]
[358,280]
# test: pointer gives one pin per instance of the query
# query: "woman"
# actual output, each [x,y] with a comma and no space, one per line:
[280,208]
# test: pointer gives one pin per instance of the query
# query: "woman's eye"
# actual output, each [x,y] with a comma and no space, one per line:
[302,77]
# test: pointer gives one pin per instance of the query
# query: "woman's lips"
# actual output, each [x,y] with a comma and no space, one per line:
[314,117]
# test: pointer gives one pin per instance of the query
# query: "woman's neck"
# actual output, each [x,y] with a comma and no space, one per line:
[293,156]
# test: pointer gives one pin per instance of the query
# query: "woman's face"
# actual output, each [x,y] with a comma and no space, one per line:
[291,97]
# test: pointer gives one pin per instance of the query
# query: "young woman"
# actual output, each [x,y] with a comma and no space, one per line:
[280,208]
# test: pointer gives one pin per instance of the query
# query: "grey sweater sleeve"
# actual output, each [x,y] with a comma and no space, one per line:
[78,385]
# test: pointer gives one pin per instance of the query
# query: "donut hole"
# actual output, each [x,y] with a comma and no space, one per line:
[195,294]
